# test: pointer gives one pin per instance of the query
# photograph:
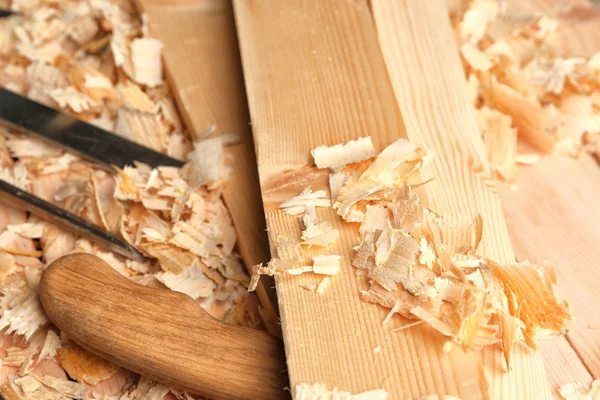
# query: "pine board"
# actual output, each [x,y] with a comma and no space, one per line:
[203,67]
[420,52]
[315,75]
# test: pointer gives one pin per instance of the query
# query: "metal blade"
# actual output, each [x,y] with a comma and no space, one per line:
[14,197]
[7,13]
[75,135]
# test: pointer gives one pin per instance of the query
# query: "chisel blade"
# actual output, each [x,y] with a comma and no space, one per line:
[75,135]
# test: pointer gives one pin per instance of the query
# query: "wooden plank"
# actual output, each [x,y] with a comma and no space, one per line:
[314,76]
[554,216]
[425,69]
[558,196]
[203,66]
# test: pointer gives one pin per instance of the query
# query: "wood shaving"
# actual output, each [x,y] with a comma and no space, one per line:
[576,391]
[340,155]
[517,67]
[298,204]
[319,235]
[500,140]
[191,281]
[318,391]
[326,265]
[421,265]
[32,230]
[83,366]
[51,344]
[205,162]
[64,387]
[70,97]
[134,97]
[146,59]
[24,318]
[323,285]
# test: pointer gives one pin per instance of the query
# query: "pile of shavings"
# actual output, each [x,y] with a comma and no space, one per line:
[94,59]
[421,265]
[523,86]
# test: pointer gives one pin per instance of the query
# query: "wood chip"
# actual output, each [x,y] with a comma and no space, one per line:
[83,366]
[318,391]
[326,265]
[146,59]
[340,155]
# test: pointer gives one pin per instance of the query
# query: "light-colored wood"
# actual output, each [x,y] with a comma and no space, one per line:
[579,22]
[418,46]
[314,75]
[158,333]
[203,66]
[553,215]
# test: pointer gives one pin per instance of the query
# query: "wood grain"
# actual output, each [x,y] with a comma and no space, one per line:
[425,69]
[203,66]
[553,216]
[314,76]
[553,213]
[158,333]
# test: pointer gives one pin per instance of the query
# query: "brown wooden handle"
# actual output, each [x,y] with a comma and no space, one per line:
[161,334]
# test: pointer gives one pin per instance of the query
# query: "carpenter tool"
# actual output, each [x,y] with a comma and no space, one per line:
[158,333]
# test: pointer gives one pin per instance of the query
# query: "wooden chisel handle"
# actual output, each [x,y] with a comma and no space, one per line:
[161,334]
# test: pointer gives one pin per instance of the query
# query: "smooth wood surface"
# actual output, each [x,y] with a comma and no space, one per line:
[203,65]
[161,334]
[425,69]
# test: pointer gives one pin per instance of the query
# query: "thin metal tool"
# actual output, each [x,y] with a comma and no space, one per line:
[75,135]
[14,197]
[7,13]
[84,139]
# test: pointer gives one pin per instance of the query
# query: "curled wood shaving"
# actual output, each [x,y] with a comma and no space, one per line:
[340,155]
[318,391]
